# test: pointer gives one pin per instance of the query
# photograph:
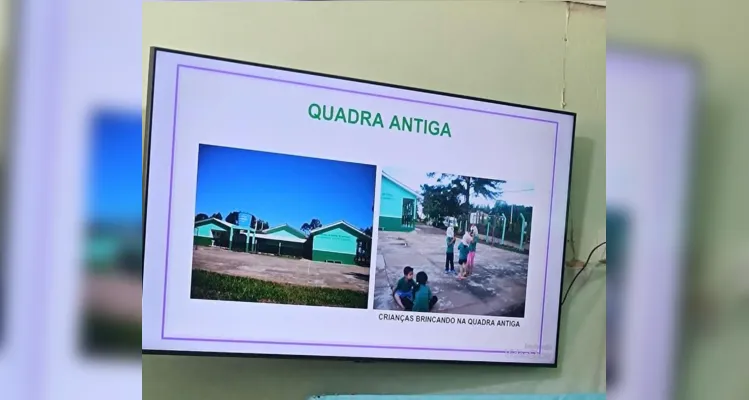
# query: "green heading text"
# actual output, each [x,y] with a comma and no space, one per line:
[374,119]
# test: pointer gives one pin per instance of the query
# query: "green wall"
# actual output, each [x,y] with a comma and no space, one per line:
[204,229]
[285,234]
[393,224]
[391,205]
[336,240]
[202,241]
[101,249]
[523,52]
[331,256]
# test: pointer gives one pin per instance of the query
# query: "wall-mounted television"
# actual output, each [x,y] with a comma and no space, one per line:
[292,213]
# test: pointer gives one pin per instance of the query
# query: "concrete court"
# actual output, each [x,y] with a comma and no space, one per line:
[497,286]
[281,269]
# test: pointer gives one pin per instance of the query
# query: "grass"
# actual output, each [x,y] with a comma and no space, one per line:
[104,334]
[214,286]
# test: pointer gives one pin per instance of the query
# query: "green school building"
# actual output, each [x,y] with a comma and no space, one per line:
[280,240]
[398,205]
[335,243]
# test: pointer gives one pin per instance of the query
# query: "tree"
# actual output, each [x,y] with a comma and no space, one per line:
[313,224]
[261,225]
[201,217]
[499,207]
[233,217]
[217,216]
[468,186]
[439,201]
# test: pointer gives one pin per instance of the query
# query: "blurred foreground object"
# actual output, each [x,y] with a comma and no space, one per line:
[113,242]
[649,111]
[714,345]
[74,287]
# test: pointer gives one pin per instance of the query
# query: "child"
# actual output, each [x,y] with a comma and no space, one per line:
[463,249]
[423,299]
[403,291]
[449,254]
[472,250]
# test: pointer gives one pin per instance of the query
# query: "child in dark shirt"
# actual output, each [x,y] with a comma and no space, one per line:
[450,252]
[423,299]
[403,293]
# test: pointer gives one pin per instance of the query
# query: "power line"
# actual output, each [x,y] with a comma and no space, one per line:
[517,191]
[580,271]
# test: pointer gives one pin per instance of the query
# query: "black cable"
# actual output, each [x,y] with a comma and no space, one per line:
[579,272]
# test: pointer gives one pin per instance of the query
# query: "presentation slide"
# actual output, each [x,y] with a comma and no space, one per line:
[299,214]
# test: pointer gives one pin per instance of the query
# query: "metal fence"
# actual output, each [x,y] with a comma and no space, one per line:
[507,231]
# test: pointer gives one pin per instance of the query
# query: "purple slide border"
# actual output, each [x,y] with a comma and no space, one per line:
[340,345]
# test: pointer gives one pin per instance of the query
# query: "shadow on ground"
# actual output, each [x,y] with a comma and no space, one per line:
[496,288]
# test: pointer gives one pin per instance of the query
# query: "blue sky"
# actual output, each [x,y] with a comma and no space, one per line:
[115,184]
[284,189]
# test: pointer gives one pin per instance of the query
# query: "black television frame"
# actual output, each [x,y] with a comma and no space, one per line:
[146,167]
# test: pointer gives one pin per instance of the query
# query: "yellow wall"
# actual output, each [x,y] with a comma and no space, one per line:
[503,50]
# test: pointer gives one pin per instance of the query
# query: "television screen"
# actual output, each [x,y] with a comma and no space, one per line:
[292,213]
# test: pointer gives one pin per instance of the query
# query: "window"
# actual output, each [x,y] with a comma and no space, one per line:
[220,238]
[409,212]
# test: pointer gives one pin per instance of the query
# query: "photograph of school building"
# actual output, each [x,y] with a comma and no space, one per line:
[398,205]
[338,243]
[418,212]
[298,259]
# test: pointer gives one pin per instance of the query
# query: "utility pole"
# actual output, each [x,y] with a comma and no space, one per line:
[254,231]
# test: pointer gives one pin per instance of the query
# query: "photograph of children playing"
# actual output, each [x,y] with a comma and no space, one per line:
[452,243]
